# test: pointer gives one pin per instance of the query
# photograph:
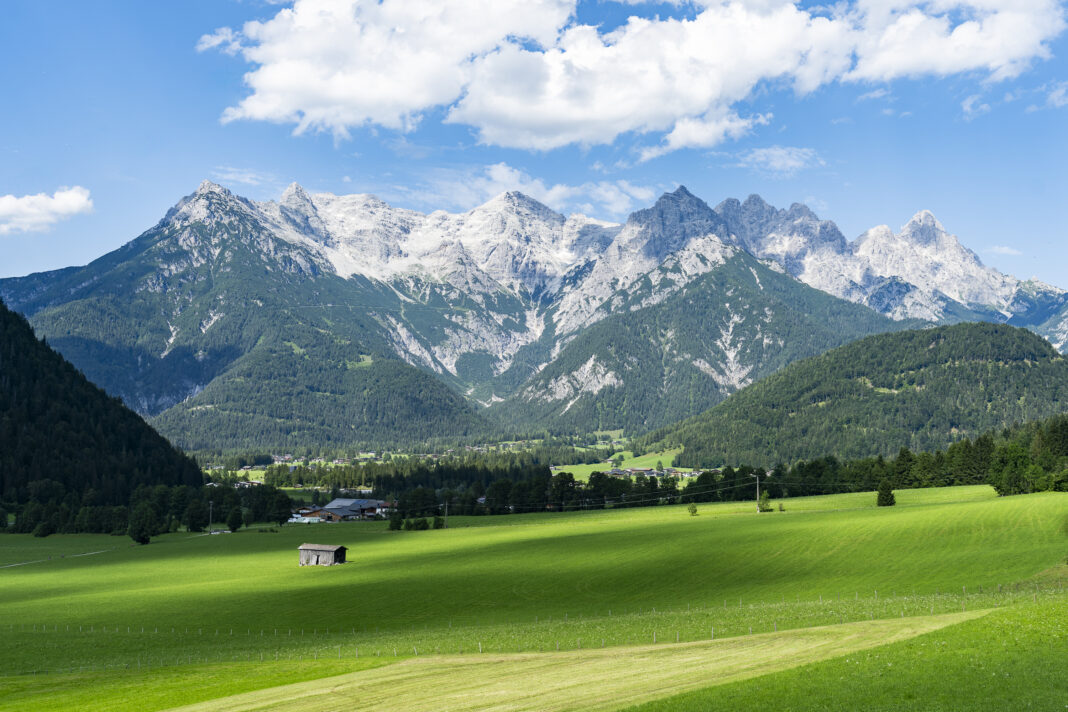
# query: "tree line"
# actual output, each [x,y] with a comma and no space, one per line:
[151,510]
[1023,459]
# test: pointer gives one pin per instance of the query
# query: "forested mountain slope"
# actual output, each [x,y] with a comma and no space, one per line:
[921,389]
[62,438]
[643,368]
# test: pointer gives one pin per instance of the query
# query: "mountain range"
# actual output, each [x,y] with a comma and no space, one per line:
[340,320]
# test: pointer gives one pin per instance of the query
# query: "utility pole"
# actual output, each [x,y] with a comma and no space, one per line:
[211,505]
[757,477]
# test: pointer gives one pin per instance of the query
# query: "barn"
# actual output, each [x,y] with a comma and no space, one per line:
[321,554]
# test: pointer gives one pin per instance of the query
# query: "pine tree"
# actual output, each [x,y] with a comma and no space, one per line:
[142,523]
[886,495]
[234,520]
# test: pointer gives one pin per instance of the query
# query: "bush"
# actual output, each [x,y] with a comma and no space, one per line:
[885,497]
[692,509]
[44,528]
[408,525]
[764,503]
[396,521]
[143,523]
[234,519]
[439,523]
[420,524]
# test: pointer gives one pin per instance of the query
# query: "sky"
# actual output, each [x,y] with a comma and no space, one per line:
[866,110]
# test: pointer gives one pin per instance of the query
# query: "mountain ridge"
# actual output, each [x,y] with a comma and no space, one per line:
[483,301]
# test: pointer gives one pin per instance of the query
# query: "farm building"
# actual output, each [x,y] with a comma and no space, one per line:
[342,509]
[321,554]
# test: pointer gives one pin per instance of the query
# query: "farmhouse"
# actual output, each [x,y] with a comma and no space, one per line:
[343,508]
[321,554]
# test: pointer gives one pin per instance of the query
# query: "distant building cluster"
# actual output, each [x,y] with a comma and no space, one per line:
[341,510]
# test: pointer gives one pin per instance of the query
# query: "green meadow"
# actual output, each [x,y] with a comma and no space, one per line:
[87,620]
[665,457]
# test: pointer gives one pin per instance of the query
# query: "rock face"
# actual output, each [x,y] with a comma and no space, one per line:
[511,303]
[920,272]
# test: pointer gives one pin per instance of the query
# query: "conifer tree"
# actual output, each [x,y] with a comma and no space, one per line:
[885,497]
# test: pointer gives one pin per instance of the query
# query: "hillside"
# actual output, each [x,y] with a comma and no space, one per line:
[64,438]
[918,389]
[643,368]
[250,340]
[310,388]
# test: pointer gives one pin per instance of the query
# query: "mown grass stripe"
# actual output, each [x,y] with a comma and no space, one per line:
[577,680]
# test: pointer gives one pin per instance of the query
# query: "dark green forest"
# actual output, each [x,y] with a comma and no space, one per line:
[1019,460]
[313,391]
[919,389]
[65,440]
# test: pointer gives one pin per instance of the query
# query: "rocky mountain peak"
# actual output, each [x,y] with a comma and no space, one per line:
[924,229]
[515,203]
[207,187]
[674,220]
[294,194]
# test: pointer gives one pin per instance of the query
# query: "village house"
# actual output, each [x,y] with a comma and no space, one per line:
[348,509]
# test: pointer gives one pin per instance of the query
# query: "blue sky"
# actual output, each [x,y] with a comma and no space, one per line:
[868,112]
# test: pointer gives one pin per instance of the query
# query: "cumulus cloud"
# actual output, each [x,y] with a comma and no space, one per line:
[34,213]
[780,161]
[1004,250]
[526,74]
[465,189]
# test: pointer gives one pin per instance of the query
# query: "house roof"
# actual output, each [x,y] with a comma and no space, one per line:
[351,506]
[320,547]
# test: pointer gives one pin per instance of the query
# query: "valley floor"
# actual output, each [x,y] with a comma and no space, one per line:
[954,599]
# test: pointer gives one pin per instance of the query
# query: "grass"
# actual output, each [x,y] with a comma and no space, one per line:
[665,457]
[1013,659]
[515,583]
[550,682]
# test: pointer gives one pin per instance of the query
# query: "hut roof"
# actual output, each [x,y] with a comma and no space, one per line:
[319,547]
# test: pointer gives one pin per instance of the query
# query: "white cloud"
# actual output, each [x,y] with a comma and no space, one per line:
[224,39]
[1004,250]
[525,74]
[243,176]
[338,64]
[1058,96]
[973,107]
[874,94]
[465,189]
[781,161]
[34,213]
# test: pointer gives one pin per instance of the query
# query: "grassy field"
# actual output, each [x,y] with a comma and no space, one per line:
[546,683]
[1012,659]
[583,472]
[97,626]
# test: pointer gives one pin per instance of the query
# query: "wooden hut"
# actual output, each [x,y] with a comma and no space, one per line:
[321,555]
